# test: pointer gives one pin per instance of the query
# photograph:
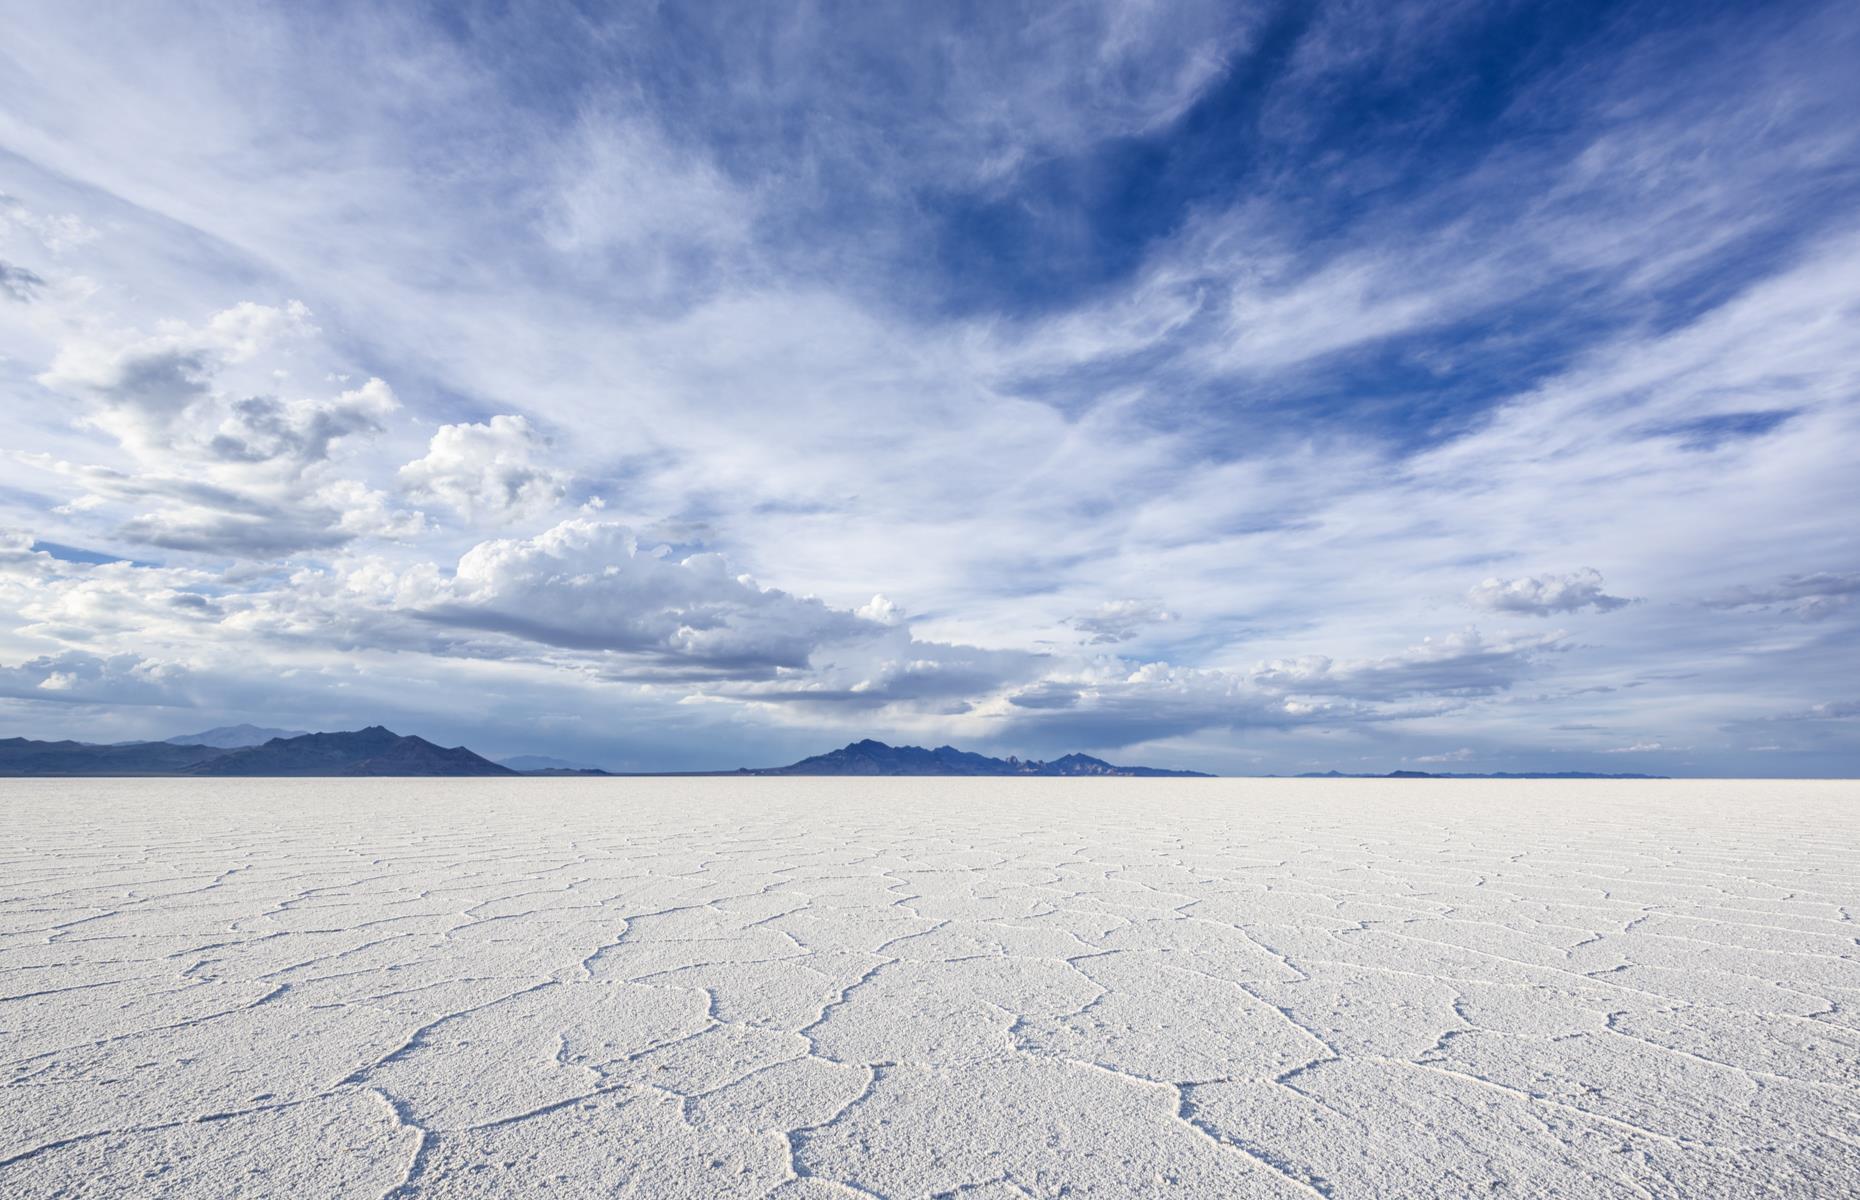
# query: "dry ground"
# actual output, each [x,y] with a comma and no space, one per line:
[808,989]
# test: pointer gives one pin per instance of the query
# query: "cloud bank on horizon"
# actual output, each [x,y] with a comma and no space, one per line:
[1245,388]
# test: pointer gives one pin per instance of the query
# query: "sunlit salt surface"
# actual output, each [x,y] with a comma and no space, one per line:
[827,988]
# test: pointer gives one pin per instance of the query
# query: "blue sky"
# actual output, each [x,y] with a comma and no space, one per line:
[1252,388]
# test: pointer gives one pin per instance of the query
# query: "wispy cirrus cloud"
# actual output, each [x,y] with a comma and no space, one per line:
[18,283]
[1812,597]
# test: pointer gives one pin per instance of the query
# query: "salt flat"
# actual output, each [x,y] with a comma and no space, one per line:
[809,989]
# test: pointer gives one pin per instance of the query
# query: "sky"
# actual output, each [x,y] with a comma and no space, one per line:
[1248,388]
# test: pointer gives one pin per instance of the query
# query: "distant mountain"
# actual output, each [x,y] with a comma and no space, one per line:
[536,764]
[1476,775]
[370,751]
[567,771]
[876,758]
[23,756]
[233,737]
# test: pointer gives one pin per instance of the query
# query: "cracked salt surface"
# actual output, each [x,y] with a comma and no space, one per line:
[807,989]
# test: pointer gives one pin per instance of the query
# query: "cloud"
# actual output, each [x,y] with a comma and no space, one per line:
[1121,620]
[881,610]
[588,585]
[216,471]
[1635,748]
[1708,433]
[1463,663]
[1116,703]
[1812,597]
[57,232]
[252,531]
[893,672]
[494,471]
[1829,710]
[18,283]
[112,604]
[1546,595]
[586,595]
[249,523]
[158,375]
[622,196]
[264,429]
[77,678]
[582,598]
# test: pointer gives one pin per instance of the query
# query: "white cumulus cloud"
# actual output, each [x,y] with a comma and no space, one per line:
[588,585]
[493,471]
[1545,595]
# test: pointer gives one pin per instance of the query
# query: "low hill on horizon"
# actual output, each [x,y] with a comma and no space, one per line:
[1476,775]
[539,764]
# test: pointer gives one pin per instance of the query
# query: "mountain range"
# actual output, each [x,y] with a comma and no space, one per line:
[245,750]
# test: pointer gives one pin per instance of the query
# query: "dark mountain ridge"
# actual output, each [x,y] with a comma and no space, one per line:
[869,757]
[370,751]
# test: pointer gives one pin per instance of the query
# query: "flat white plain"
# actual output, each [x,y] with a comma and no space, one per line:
[810,989]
